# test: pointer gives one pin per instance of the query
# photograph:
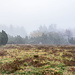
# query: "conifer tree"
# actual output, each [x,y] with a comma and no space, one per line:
[4,38]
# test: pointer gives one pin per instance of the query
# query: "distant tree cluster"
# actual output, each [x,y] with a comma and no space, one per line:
[48,38]
[16,40]
[40,38]
[3,38]
[71,39]
[44,35]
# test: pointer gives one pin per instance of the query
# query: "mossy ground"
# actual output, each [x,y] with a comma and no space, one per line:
[37,60]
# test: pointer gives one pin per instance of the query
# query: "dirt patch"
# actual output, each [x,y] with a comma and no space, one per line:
[10,47]
[3,53]
[72,69]
[25,47]
[72,52]
[39,47]
[69,63]
[67,47]
[67,55]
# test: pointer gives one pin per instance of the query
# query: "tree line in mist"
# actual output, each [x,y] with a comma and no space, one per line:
[44,35]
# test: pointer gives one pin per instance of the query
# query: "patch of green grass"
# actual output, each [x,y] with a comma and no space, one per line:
[61,65]
[27,73]
[48,66]
[25,64]
[4,72]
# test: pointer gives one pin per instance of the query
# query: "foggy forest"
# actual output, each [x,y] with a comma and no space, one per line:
[43,35]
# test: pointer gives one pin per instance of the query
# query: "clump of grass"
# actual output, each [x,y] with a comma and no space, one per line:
[25,64]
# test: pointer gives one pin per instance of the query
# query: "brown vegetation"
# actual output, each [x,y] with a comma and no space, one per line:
[43,59]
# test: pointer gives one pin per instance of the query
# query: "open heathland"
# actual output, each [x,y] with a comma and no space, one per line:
[37,60]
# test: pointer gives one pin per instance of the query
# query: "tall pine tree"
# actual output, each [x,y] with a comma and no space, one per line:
[4,38]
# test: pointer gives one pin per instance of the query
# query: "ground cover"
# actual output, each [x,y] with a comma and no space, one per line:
[37,60]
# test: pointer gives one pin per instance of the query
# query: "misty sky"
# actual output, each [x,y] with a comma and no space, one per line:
[33,13]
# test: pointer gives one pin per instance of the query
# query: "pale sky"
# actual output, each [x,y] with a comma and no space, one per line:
[33,13]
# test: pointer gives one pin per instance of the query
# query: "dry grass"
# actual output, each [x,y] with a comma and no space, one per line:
[37,60]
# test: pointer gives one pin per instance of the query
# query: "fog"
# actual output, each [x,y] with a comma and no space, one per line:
[30,14]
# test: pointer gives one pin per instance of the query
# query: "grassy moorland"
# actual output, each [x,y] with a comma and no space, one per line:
[37,60]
